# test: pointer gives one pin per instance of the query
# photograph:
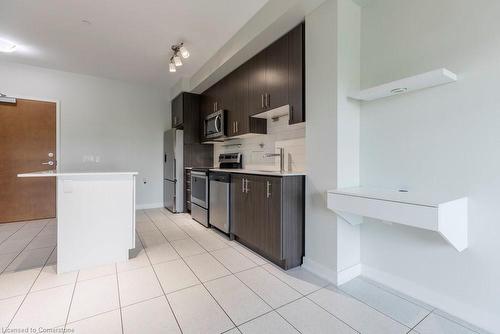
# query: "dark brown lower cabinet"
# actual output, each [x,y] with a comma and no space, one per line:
[268,216]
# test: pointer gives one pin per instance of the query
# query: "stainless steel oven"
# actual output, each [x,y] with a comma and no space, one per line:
[199,196]
[215,125]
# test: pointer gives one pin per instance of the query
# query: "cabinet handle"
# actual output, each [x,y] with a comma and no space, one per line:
[175,120]
[268,100]
[246,187]
[268,189]
[236,123]
[262,101]
[290,118]
[243,185]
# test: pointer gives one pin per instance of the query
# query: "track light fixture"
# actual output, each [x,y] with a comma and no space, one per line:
[176,61]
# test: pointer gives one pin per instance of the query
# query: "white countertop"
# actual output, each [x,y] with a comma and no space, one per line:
[52,173]
[257,172]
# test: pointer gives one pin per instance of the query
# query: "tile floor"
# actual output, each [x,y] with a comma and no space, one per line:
[183,278]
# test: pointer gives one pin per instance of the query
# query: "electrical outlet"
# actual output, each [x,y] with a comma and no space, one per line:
[144,180]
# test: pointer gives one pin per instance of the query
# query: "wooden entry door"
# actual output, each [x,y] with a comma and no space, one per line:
[27,139]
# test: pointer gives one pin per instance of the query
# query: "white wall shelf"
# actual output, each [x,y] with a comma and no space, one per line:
[425,80]
[446,216]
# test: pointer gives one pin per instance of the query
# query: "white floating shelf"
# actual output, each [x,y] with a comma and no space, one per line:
[425,80]
[446,216]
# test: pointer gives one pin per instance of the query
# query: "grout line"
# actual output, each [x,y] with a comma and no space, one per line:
[159,282]
[257,266]
[31,287]
[341,291]
[418,323]
[1,242]
[396,293]
[22,250]
[185,263]
[71,301]
[119,297]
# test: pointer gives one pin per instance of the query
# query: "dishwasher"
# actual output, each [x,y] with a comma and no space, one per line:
[219,215]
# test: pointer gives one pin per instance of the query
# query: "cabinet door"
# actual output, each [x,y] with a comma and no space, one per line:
[177,114]
[238,207]
[230,103]
[257,83]
[296,74]
[256,212]
[277,73]
[272,231]
[241,101]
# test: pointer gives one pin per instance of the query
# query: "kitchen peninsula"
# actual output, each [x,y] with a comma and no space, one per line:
[95,217]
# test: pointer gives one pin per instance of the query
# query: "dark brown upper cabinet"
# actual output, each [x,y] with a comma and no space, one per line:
[296,74]
[177,111]
[186,116]
[271,79]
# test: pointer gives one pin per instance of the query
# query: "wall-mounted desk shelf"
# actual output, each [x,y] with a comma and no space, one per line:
[446,216]
[425,80]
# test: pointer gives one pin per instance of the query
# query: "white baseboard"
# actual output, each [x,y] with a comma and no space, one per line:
[348,274]
[331,275]
[471,314]
[148,206]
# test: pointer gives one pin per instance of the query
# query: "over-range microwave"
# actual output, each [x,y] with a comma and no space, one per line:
[215,125]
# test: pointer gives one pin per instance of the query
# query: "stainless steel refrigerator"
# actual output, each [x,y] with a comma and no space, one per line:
[173,176]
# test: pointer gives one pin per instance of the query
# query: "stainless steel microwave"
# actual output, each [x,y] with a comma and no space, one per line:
[215,125]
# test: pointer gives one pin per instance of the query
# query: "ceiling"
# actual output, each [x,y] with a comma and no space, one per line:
[126,39]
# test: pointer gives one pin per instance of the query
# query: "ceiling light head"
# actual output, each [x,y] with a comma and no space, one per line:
[184,52]
[171,66]
[7,46]
[177,60]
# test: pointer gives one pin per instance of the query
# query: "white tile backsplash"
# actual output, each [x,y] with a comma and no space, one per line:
[279,134]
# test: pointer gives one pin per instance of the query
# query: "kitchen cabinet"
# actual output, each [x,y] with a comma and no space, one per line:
[296,74]
[177,111]
[268,80]
[268,216]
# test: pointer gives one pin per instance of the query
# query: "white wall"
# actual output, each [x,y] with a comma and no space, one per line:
[121,123]
[441,139]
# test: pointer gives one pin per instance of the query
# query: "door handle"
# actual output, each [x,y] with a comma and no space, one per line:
[50,163]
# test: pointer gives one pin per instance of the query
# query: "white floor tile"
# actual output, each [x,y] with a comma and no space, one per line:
[43,241]
[17,283]
[233,260]
[391,305]
[137,259]
[309,318]
[233,331]
[436,324]
[172,232]
[106,323]
[46,309]
[298,278]
[94,296]
[360,316]
[11,227]
[206,267]
[138,285]
[49,278]
[175,275]
[162,253]
[13,245]
[250,254]
[4,235]
[145,226]
[197,311]
[459,321]
[239,302]
[272,290]
[152,239]
[30,259]
[95,272]
[210,242]
[187,247]
[6,259]
[270,323]
[8,308]
[152,317]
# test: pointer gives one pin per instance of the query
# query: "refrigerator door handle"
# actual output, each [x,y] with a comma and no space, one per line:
[165,157]
[175,171]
